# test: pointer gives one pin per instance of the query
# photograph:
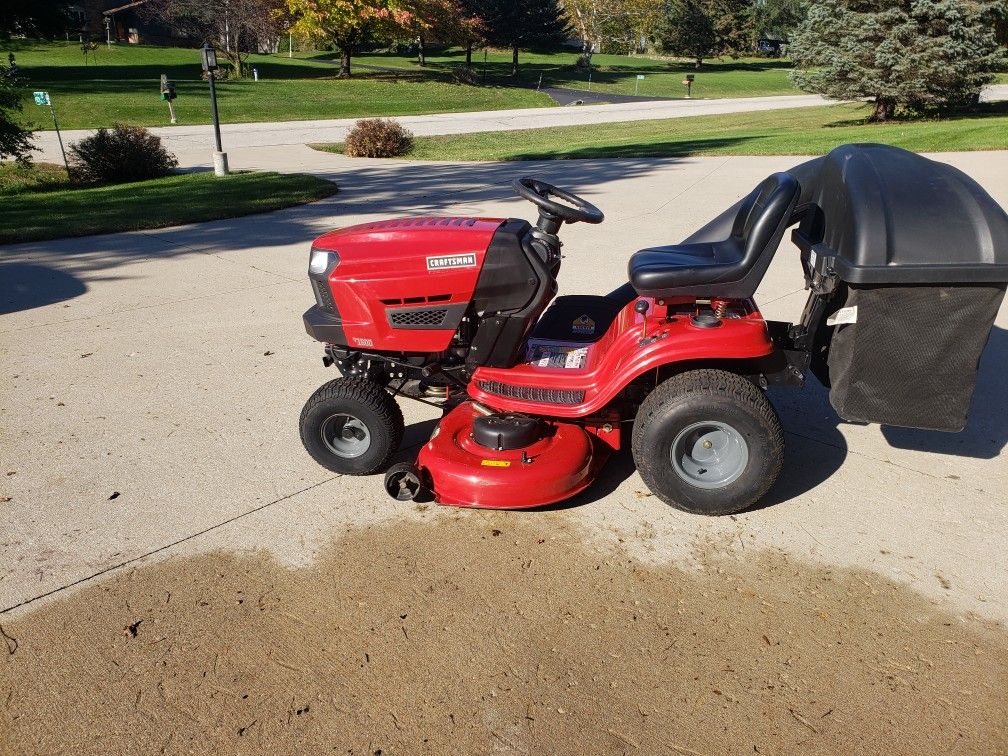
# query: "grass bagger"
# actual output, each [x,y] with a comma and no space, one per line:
[905,260]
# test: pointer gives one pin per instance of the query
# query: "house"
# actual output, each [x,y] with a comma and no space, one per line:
[122,21]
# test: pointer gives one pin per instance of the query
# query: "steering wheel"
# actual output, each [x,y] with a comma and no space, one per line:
[539,193]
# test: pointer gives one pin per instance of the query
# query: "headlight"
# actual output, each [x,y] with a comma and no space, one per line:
[321,260]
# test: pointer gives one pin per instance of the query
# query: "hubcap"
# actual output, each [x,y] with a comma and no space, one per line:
[709,454]
[345,436]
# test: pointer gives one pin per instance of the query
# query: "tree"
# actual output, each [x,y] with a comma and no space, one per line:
[600,23]
[916,55]
[705,28]
[345,23]
[15,140]
[734,22]
[687,29]
[236,27]
[778,18]
[34,18]
[591,19]
[517,24]
[636,24]
[432,19]
[1001,28]
[471,30]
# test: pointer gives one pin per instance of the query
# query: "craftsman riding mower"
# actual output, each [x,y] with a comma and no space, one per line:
[905,259]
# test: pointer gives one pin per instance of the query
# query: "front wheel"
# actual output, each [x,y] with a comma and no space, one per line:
[351,426]
[708,442]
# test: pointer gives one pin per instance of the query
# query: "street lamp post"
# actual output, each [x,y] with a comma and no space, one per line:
[220,160]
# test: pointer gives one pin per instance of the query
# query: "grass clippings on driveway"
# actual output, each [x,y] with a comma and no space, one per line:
[499,632]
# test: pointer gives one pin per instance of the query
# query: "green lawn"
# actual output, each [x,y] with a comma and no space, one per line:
[15,179]
[122,84]
[798,131]
[747,77]
[45,207]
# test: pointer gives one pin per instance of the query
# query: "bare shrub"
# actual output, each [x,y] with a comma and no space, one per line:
[120,154]
[377,137]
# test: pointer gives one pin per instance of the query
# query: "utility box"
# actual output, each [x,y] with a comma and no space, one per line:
[912,258]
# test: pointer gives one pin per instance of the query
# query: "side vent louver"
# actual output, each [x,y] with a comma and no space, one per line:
[533,393]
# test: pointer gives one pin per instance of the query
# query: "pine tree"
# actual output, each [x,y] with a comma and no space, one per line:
[688,29]
[706,28]
[779,18]
[915,55]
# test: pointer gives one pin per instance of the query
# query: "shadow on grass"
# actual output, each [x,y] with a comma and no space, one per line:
[563,72]
[174,200]
[672,148]
[982,110]
[71,76]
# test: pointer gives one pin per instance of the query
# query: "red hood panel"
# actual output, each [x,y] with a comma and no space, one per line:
[389,268]
[407,229]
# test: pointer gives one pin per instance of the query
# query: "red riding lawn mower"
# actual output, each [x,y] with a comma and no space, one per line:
[906,261]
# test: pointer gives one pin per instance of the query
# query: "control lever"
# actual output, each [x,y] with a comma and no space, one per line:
[641,308]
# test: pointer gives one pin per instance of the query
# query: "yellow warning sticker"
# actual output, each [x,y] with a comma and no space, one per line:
[496,463]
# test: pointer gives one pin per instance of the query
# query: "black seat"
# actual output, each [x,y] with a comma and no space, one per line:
[732,268]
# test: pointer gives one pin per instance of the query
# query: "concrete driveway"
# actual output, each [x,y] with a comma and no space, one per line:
[152,382]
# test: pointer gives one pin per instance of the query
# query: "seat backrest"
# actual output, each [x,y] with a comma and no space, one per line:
[758,224]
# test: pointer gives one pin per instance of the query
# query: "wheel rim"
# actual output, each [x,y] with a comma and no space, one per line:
[345,436]
[403,485]
[709,454]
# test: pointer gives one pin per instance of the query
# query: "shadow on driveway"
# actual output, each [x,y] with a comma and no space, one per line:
[366,187]
[986,432]
[26,286]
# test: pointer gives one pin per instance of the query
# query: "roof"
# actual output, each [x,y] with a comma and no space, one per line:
[134,4]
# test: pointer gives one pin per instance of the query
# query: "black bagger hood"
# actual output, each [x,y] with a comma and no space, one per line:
[893,217]
[915,255]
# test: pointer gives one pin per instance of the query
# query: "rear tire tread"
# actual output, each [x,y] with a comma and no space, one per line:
[715,384]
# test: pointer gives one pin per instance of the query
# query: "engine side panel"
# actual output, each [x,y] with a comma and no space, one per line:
[404,285]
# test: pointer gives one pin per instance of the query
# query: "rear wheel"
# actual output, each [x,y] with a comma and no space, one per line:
[708,442]
[351,426]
